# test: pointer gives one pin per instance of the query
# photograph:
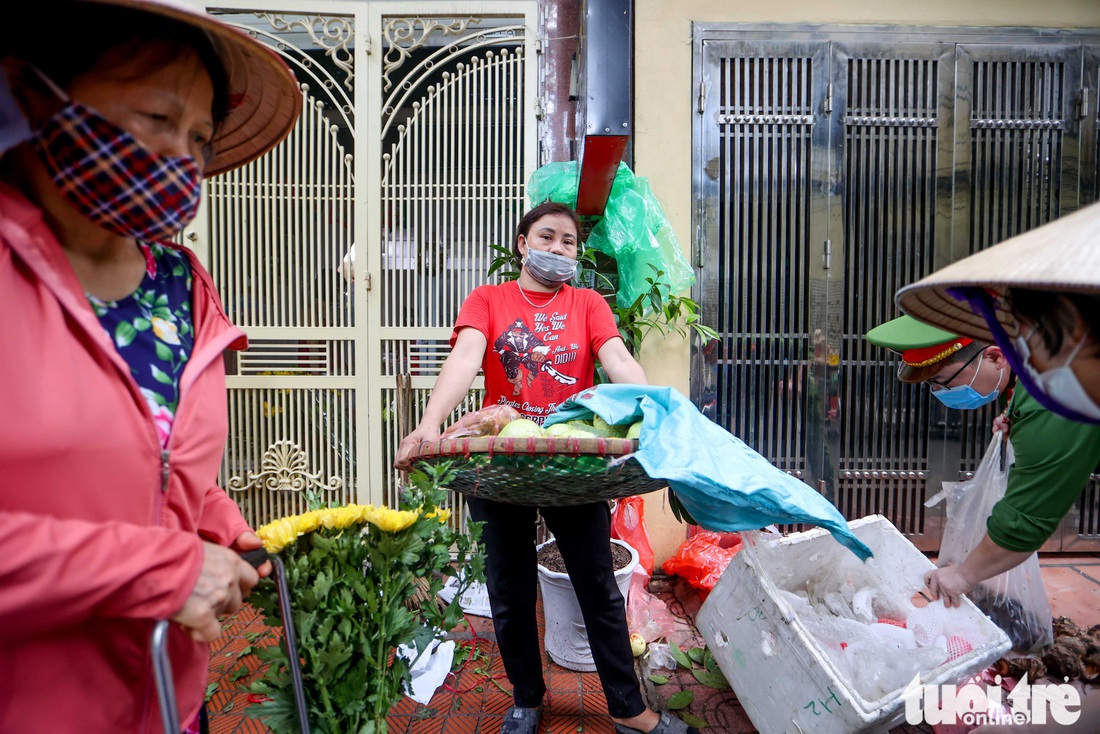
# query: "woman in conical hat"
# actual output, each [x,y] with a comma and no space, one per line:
[1037,295]
[112,112]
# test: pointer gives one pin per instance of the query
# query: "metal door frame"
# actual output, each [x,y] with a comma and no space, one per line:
[704,381]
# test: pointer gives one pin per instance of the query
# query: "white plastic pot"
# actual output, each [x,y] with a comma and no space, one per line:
[565,637]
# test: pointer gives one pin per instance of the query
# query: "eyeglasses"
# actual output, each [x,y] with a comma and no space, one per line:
[946,384]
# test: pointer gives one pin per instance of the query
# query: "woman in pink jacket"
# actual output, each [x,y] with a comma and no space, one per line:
[112,397]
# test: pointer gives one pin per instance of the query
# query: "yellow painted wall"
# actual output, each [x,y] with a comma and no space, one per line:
[663,118]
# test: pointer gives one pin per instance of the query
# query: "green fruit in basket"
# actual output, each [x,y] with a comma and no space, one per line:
[607,429]
[522,428]
[577,433]
[557,429]
[635,430]
[589,428]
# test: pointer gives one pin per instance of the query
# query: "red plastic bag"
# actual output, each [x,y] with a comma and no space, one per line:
[702,558]
[628,525]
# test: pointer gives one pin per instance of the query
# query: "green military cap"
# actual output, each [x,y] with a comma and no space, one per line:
[922,347]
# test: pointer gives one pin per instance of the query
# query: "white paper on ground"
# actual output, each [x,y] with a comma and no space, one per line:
[429,670]
[475,600]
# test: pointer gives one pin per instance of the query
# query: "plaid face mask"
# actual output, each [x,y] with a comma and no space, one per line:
[113,179]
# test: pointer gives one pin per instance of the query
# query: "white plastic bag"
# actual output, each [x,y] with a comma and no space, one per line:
[1015,600]
[429,669]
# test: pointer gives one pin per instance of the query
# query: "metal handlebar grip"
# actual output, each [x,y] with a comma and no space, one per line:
[162,666]
[162,671]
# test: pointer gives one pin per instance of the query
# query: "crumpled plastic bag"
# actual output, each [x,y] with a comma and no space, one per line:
[428,669]
[628,525]
[633,229]
[722,483]
[1015,600]
[646,614]
[485,422]
[702,558]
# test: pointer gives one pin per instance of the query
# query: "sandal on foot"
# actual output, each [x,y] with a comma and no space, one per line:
[667,725]
[521,721]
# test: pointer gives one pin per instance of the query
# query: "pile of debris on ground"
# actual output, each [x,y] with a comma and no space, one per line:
[1074,656]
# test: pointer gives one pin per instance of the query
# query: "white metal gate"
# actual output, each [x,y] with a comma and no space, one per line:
[441,129]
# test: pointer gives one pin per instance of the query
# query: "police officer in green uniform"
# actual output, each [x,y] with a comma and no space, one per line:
[1054,455]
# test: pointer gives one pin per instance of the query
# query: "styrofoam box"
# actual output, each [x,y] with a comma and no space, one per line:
[781,675]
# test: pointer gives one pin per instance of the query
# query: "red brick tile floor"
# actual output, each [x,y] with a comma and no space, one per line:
[475,701]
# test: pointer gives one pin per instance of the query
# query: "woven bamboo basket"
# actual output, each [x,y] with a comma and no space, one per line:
[545,472]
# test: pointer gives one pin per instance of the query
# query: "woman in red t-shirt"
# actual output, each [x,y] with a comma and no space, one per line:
[537,340]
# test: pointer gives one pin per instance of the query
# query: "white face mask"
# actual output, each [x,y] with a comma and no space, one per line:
[1059,383]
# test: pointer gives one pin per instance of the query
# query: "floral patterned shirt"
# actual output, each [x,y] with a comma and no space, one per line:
[152,329]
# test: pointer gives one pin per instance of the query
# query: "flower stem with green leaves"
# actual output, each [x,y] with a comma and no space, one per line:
[354,574]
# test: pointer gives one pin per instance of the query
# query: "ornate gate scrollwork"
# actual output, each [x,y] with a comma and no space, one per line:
[284,470]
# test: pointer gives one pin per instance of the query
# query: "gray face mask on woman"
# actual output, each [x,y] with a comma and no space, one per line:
[548,268]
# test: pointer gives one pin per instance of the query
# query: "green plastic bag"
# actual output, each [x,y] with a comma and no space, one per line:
[633,229]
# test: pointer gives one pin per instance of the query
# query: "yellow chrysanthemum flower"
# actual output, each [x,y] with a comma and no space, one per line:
[280,533]
[443,515]
[392,521]
[351,515]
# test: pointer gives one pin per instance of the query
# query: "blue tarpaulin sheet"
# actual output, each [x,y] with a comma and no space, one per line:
[720,480]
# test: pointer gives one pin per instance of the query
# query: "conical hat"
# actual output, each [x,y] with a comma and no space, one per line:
[1063,255]
[264,97]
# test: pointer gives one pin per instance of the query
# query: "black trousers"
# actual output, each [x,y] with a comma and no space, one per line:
[583,535]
